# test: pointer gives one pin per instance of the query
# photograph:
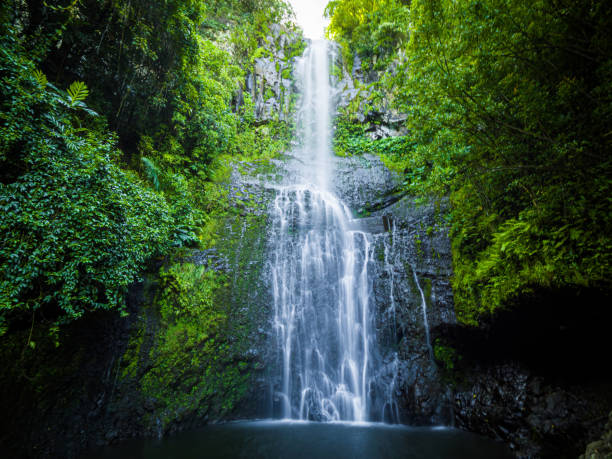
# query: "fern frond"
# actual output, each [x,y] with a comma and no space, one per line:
[40,77]
[77,92]
[151,171]
[89,111]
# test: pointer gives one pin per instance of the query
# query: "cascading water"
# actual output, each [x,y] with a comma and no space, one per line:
[321,294]
[319,274]
[424,309]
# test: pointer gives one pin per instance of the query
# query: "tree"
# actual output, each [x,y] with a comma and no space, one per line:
[509,107]
[75,229]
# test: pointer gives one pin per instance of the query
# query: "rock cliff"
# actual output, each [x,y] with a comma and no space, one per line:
[270,85]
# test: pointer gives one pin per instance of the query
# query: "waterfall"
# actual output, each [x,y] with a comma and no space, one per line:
[319,273]
[424,309]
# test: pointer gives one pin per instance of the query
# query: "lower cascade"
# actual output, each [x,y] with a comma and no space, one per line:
[320,280]
[321,292]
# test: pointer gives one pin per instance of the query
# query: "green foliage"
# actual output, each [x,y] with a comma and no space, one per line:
[78,228]
[264,142]
[77,92]
[509,110]
[192,363]
[446,356]
[155,71]
[371,29]
[88,197]
[151,171]
[40,78]
[510,107]
[251,32]
[75,228]
[351,138]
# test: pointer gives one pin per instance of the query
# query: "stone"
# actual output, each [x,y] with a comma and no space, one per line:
[602,448]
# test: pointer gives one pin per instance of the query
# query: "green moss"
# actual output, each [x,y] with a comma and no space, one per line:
[427,288]
[446,356]
[188,353]
[131,357]
[268,94]
[189,368]
[244,249]
[419,246]
[380,253]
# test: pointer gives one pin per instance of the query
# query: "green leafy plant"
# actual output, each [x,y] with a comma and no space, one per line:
[508,112]
[77,92]
[75,229]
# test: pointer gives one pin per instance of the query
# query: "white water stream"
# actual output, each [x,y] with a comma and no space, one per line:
[320,280]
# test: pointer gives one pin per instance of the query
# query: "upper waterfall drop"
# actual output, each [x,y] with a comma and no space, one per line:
[315,112]
[321,285]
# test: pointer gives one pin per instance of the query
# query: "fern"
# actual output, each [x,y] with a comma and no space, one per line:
[40,78]
[77,92]
[151,171]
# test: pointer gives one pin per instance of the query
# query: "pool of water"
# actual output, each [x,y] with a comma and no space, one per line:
[295,440]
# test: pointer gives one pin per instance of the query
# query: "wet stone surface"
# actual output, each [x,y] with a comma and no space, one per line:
[411,266]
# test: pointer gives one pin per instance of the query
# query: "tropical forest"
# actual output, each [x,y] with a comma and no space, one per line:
[305,228]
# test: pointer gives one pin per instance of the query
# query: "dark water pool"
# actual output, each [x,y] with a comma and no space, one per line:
[294,440]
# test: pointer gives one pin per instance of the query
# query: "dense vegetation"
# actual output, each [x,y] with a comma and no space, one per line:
[509,108]
[117,121]
[121,122]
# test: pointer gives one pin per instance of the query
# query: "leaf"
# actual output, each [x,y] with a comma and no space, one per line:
[151,171]
[77,92]
[40,77]
[89,111]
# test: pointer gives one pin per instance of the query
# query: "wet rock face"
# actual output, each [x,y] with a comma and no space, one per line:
[382,121]
[521,381]
[413,294]
[602,448]
[411,289]
[241,253]
[361,181]
[531,376]
[534,416]
[494,405]
[271,84]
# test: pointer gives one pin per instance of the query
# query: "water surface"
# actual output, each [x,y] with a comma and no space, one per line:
[297,440]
